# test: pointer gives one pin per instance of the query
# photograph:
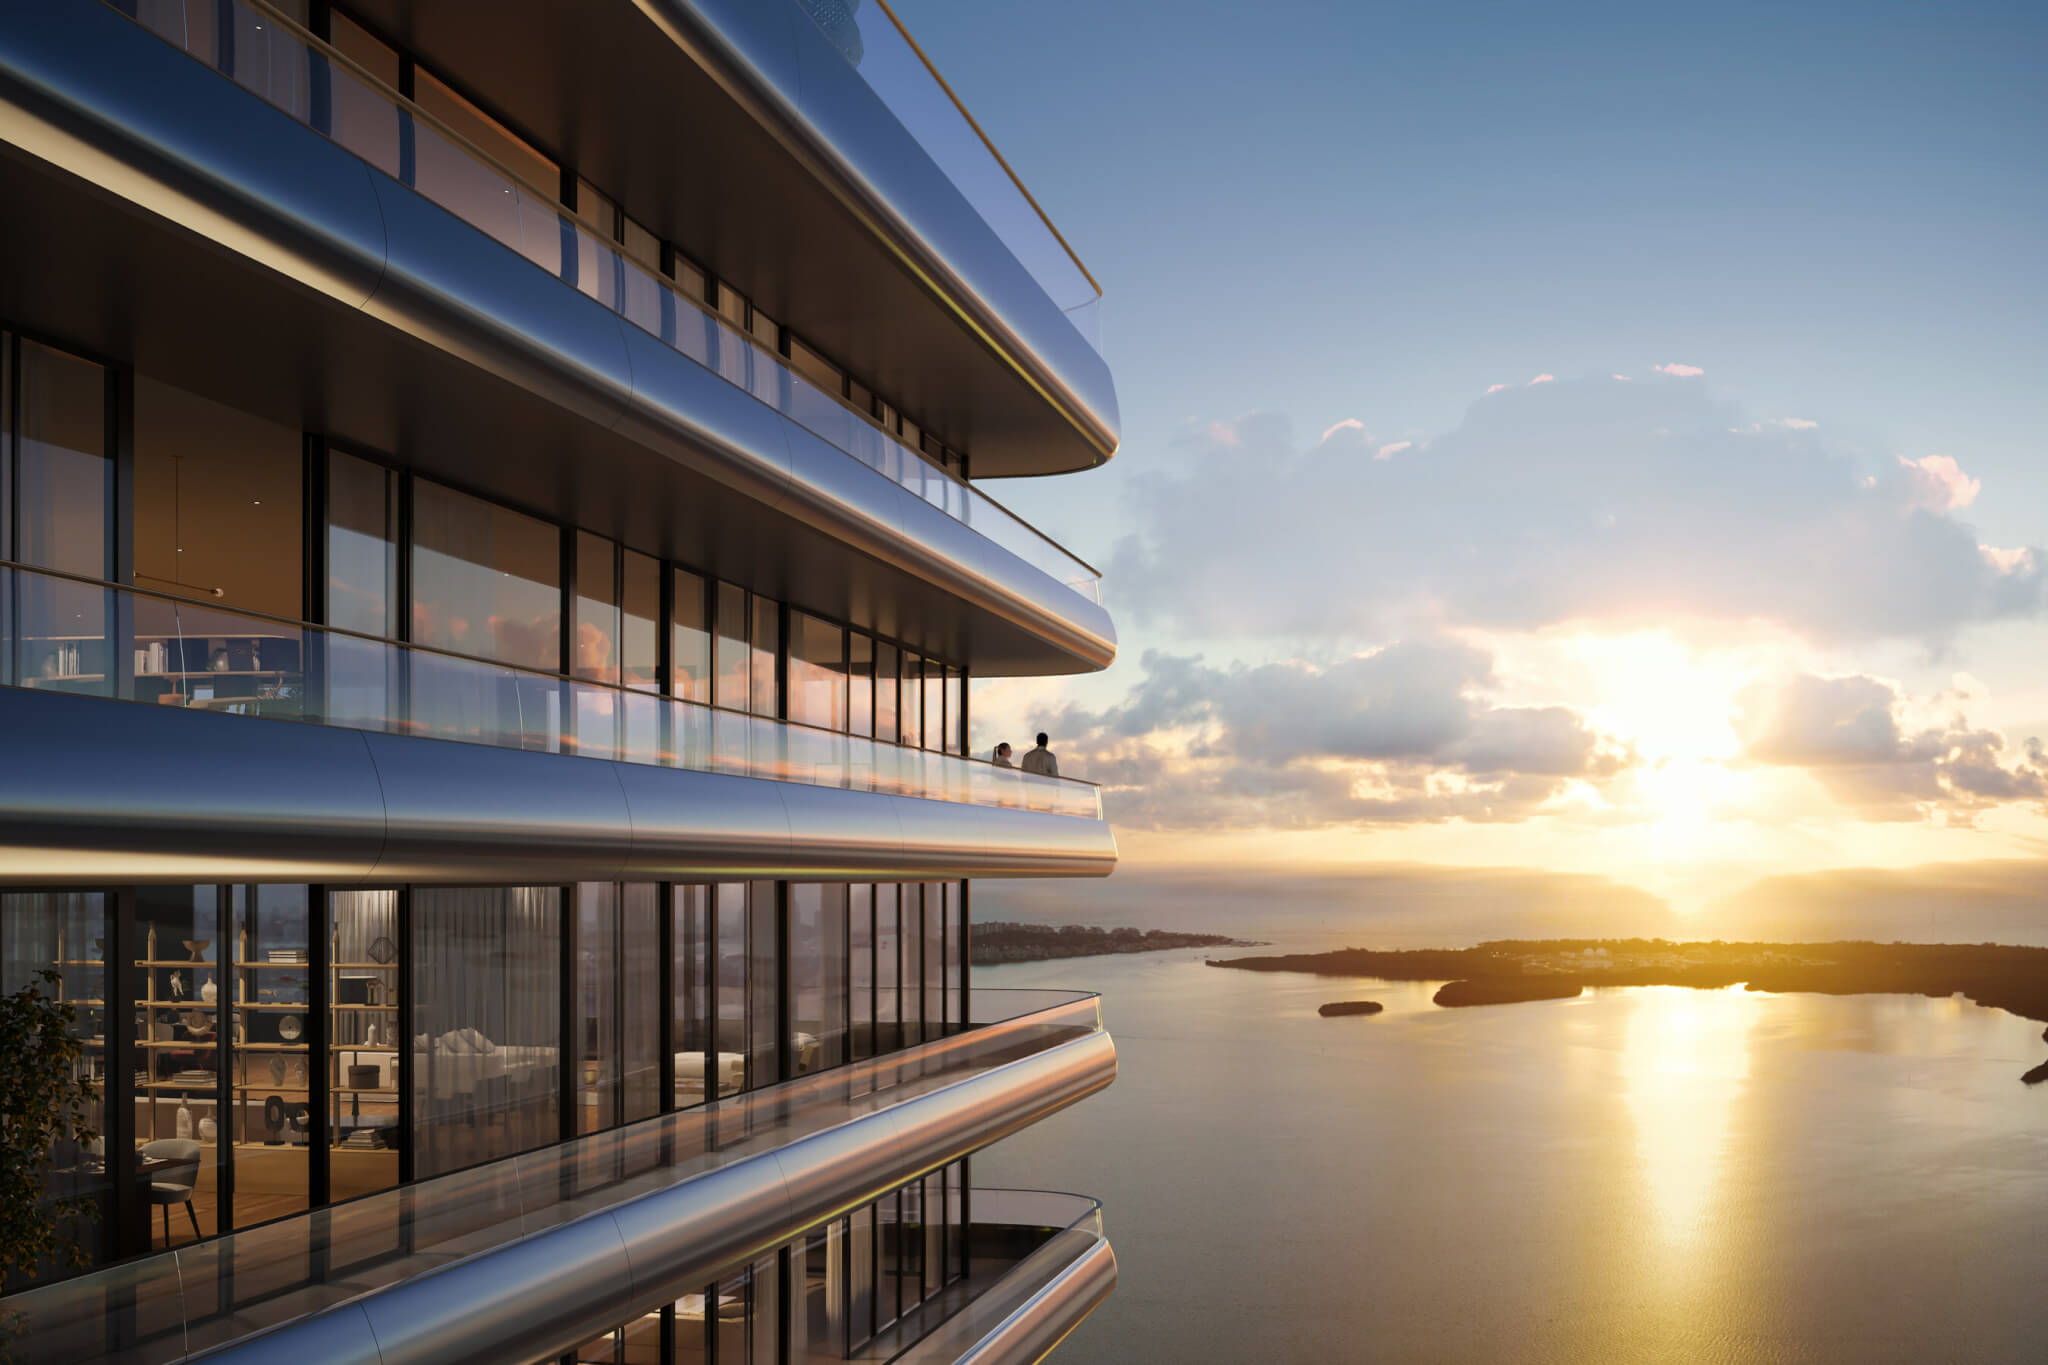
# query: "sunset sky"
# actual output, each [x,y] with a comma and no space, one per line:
[1593,438]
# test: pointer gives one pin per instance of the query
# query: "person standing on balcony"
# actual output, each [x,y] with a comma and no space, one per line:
[1041,760]
[1002,755]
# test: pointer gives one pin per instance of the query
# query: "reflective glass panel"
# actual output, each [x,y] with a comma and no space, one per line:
[887,720]
[272,1035]
[691,946]
[956,712]
[934,959]
[64,482]
[497,141]
[860,1259]
[888,970]
[639,620]
[486,1023]
[912,917]
[817,974]
[912,719]
[596,1060]
[935,705]
[362,546]
[861,970]
[364,1033]
[354,42]
[763,1000]
[486,580]
[732,1024]
[818,1270]
[594,649]
[766,647]
[690,640]
[817,677]
[693,1327]
[640,1002]
[178,1079]
[860,669]
[731,688]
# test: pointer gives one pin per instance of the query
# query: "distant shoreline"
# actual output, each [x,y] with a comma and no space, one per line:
[1001,941]
[1514,971]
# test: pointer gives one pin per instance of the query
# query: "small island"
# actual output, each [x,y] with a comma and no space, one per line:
[1000,941]
[1514,970]
[1341,1007]
[1504,990]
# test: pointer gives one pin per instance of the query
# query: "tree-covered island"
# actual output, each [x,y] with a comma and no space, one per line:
[1512,970]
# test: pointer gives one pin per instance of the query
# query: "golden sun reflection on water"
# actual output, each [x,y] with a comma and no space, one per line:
[1684,1064]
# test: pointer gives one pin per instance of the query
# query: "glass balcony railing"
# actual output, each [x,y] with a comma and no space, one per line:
[1023,1242]
[877,46]
[300,75]
[66,634]
[165,1307]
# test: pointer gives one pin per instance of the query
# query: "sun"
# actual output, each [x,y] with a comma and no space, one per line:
[1668,701]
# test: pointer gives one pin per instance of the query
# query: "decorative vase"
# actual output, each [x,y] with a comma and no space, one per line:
[208,1129]
[209,992]
[184,1120]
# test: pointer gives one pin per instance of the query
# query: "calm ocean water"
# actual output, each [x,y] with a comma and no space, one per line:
[1639,1175]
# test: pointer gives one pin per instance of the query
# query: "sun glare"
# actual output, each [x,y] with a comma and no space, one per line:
[1684,1066]
[1667,700]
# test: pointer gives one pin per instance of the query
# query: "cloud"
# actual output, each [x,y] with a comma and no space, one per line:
[1391,449]
[1797,424]
[1348,424]
[1939,484]
[1623,505]
[1679,371]
[1399,735]
[1543,379]
[1495,388]
[1853,734]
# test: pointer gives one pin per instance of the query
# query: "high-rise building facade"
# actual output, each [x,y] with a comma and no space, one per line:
[490,577]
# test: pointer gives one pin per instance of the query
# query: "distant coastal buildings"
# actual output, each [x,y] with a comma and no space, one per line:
[1002,941]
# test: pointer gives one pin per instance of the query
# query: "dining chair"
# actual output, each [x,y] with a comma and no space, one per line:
[174,1185]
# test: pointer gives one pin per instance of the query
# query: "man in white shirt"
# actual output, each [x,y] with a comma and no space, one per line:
[1041,760]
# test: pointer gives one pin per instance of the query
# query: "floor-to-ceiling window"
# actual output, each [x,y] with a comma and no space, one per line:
[264,1021]
[366,959]
[271,1038]
[486,582]
[746,1019]
[618,1004]
[818,975]
[56,512]
[486,1023]
[362,545]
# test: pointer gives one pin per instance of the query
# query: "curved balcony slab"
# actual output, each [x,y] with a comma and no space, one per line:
[523,1259]
[793,77]
[392,323]
[97,792]
[1030,1309]
[656,99]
